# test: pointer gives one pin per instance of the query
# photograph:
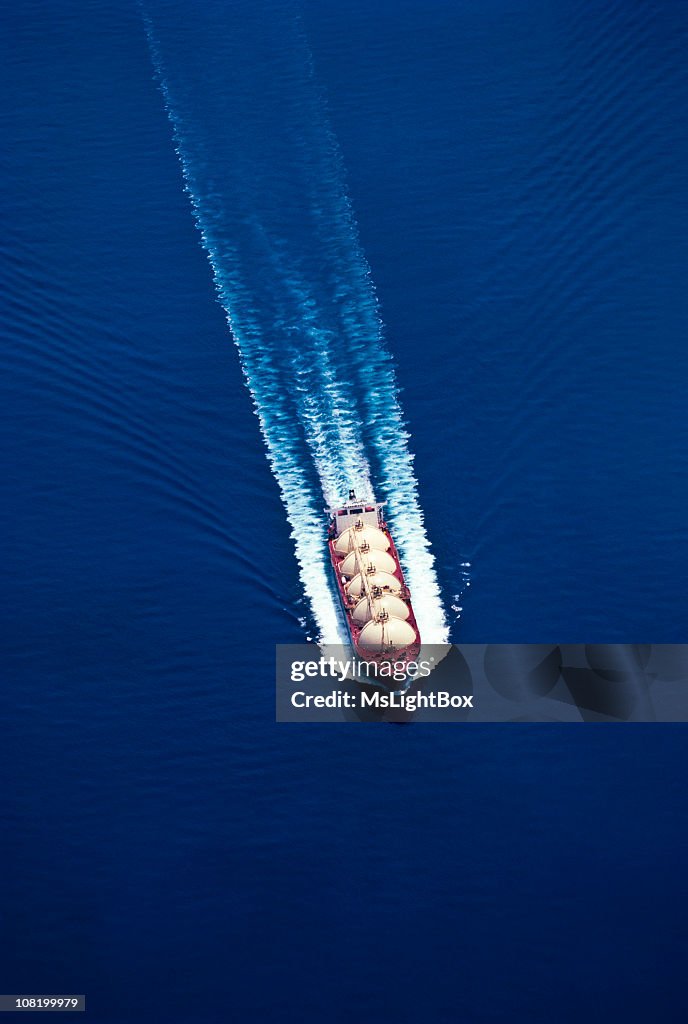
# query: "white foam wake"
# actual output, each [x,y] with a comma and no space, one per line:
[321,378]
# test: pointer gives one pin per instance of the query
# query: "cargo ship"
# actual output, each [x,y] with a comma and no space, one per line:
[370,583]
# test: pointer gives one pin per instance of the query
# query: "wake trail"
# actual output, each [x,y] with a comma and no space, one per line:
[263,173]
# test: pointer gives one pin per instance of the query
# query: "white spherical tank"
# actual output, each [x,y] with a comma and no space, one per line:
[394,607]
[387,583]
[381,560]
[393,634]
[369,535]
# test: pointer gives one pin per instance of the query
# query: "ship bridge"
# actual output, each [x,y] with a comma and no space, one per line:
[356,515]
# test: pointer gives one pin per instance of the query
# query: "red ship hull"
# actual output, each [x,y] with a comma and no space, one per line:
[388,645]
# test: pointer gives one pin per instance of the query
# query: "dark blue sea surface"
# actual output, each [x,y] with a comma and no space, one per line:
[450,241]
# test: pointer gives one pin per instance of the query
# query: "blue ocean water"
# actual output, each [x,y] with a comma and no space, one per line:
[451,242]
